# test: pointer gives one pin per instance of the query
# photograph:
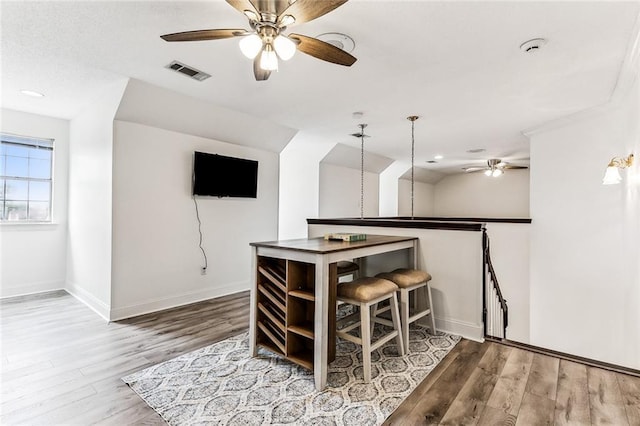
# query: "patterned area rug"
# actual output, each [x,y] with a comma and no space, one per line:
[222,385]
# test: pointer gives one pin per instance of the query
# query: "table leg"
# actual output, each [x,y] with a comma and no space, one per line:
[333,295]
[253,348]
[321,323]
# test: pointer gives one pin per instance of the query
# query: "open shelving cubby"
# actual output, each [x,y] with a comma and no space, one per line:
[286,307]
[272,305]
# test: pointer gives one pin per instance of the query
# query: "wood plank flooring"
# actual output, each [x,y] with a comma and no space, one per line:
[61,364]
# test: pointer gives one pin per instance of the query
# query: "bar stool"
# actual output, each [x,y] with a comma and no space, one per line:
[407,281]
[348,268]
[365,292]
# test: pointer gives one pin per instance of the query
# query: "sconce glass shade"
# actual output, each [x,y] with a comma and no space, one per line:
[269,59]
[612,176]
[285,47]
[251,45]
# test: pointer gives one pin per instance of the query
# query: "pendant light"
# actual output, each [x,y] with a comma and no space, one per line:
[413,119]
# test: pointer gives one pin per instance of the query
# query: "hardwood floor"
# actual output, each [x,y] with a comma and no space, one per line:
[62,364]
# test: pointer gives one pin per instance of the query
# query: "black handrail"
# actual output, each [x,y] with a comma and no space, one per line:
[496,287]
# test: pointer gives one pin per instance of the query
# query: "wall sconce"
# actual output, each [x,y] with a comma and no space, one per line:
[612,175]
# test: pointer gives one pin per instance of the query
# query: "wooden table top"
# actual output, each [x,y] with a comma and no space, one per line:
[322,246]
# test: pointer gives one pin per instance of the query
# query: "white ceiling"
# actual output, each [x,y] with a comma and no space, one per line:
[455,64]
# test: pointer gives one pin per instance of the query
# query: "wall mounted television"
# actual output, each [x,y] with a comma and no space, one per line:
[220,176]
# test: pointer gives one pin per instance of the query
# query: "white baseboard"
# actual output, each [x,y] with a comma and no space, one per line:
[467,330]
[177,300]
[31,288]
[95,304]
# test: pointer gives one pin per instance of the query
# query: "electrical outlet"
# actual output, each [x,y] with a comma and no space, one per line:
[203,271]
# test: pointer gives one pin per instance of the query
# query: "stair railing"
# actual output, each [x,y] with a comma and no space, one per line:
[495,309]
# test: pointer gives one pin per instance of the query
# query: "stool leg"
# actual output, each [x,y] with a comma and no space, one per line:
[397,325]
[365,332]
[431,315]
[374,314]
[404,317]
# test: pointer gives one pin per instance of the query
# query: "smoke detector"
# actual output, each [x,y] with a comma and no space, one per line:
[339,40]
[533,45]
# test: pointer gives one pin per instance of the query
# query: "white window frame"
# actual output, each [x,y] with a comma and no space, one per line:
[34,143]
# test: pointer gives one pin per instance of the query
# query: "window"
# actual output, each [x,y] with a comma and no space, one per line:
[25,179]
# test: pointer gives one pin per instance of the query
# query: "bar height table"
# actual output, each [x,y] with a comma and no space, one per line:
[294,278]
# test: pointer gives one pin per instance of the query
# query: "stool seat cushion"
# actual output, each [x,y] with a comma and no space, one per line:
[406,277]
[346,267]
[366,289]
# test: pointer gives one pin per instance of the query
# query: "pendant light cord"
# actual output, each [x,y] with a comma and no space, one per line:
[413,119]
[413,149]
[362,172]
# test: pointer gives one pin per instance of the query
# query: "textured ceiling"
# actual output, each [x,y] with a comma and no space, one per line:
[456,64]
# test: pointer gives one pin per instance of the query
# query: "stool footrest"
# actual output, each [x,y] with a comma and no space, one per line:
[384,340]
[419,315]
[349,337]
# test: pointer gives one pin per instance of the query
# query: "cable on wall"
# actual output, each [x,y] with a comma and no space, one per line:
[204,255]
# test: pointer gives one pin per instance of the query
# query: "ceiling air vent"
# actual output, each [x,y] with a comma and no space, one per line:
[188,71]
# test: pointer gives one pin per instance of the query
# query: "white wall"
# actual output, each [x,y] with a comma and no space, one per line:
[156,259]
[389,188]
[477,195]
[299,184]
[32,257]
[340,192]
[423,198]
[90,177]
[585,255]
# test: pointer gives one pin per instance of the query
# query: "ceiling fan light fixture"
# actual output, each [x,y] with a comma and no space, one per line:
[251,45]
[269,59]
[488,172]
[287,20]
[251,15]
[496,173]
[284,47]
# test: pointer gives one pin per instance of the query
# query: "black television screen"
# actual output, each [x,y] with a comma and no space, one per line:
[219,176]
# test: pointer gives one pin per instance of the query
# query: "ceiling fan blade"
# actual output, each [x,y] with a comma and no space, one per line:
[259,73]
[242,5]
[474,169]
[514,167]
[199,35]
[321,50]
[307,10]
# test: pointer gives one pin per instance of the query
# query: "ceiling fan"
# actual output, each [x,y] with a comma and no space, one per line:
[266,41]
[495,167]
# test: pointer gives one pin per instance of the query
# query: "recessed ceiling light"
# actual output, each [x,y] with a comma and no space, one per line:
[438,157]
[32,93]
[339,40]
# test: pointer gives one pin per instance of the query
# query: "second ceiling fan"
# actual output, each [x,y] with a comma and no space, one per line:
[266,41]
[495,167]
